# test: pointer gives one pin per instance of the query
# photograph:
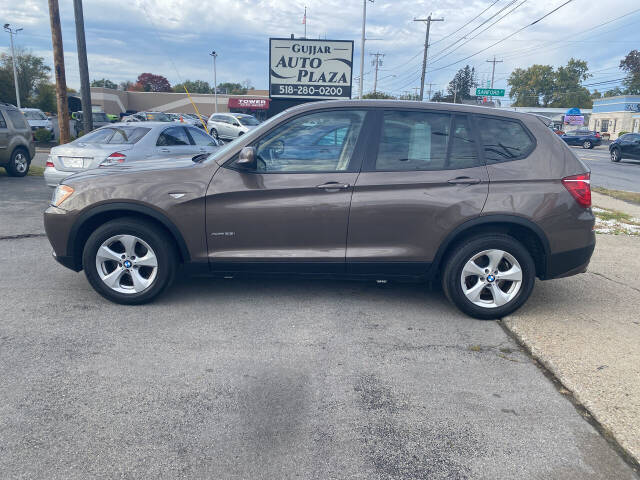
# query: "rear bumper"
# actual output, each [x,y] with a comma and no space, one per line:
[571,262]
[53,177]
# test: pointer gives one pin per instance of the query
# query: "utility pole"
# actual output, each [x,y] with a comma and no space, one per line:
[415,89]
[364,22]
[304,21]
[426,48]
[13,32]
[455,90]
[376,62]
[58,65]
[429,94]
[85,89]
[493,70]
[215,81]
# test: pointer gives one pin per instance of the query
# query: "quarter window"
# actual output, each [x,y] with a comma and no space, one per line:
[173,136]
[503,140]
[295,146]
[413,141]
[202,139]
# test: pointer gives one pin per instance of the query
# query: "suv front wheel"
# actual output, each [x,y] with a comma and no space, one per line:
[129,261]
[18,165]
[489,276]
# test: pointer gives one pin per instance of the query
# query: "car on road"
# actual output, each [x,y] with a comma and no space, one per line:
[125,143]
[229,126]
[147,117]
[482,200]
[625,146]
[184,118]
[582,138]
[37,119]
[17,147]
[99,119]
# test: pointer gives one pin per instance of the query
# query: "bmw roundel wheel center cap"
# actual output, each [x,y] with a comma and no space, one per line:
[490,278]
[127,264]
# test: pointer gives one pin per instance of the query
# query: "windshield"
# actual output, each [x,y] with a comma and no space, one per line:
[157,117]
[100,117]
[34,115]
[123,135]
[248,120]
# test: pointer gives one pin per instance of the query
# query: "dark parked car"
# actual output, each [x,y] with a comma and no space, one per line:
[483,200]
[626,146]
[582,138]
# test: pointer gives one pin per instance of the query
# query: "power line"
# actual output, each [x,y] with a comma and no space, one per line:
[505,38]
[466,24]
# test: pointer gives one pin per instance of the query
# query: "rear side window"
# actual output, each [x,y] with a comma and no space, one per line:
[503,139]
[172,137]
[413,141]
[17,118]
[3,124]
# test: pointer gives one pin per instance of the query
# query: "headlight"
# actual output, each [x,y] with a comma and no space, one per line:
[61,194]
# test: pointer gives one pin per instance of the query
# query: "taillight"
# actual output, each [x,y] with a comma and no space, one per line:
[579,186]
[49,162]
[597,135]
[113,159]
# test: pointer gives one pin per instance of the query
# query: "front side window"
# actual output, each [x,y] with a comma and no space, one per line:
[503,139]
[294,146]
[202,139]
[413,141]
[174,136]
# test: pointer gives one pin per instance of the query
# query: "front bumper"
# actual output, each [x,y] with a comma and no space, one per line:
[57,226]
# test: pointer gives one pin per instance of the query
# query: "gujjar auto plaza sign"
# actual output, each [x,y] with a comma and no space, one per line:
[302,68]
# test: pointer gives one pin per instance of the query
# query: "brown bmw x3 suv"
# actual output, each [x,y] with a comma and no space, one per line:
[481,199]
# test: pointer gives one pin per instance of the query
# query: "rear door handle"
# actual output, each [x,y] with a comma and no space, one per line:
[333,186]
[165,150]
[464,181]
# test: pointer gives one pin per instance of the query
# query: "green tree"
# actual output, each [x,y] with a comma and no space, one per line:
[31,71]
[105,83]
[463,83]
[596,94]
[232,88]
[532,87]
[631,65]
[567,89]
[439,97]
[377,95]
[614,92]
[196,86]
[45,97]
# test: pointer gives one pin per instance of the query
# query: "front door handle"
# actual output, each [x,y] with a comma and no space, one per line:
[464,181]
[165,150]
[333,186]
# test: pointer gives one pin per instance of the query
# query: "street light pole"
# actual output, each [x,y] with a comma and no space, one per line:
[13,32]
[364,22]
[215,81]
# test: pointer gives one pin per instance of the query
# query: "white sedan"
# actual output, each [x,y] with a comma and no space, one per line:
[123,143]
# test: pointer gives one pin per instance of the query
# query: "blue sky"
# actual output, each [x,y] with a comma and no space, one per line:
[173,37]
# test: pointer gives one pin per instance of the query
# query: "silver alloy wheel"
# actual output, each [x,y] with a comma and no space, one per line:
[126,264]
[586,144]
[491,278]
[20,162]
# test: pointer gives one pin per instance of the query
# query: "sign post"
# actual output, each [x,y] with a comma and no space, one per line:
[310,69]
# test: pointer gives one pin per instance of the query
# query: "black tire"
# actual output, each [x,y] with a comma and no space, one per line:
[161,243]
[214,133]
[587,145]
[616,155]
[19,163]
[452,273]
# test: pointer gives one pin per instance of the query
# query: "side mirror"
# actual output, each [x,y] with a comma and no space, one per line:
[236,124]
[247,158]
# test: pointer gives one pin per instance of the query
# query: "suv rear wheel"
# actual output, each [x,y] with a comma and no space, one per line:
[18,165]
[129,261]
[587,144]
[489,277]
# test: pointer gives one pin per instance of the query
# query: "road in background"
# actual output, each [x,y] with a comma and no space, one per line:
[624,175]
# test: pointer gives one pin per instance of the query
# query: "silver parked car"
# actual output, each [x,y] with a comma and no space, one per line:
[121,143]
[231,125]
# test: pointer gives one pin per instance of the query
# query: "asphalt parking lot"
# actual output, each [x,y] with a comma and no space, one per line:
[265,379]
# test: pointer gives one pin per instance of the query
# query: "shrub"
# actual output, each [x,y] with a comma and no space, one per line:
[621,133]
[43,135]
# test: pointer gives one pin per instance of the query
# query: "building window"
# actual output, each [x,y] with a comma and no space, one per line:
[605,126]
